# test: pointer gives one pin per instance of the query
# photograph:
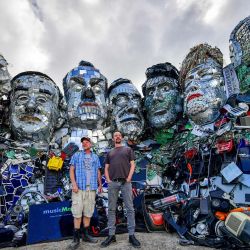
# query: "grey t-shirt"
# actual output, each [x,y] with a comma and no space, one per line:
[119,162]
[88,167]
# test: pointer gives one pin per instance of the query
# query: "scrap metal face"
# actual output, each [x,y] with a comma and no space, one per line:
[4,78]
[85,90]
[162,97]
[162,101]
[240,53]
[125,104]
[34,106]
[204,94]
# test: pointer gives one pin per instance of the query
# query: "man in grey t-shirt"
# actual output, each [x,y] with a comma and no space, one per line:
[119,169]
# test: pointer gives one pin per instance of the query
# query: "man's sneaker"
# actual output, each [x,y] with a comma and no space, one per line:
[108,241]
[134,242]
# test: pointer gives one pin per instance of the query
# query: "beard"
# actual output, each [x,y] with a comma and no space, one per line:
[163,121]
[131,129]
[118,141]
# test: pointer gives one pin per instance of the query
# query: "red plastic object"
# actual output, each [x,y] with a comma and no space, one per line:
[157,219]
[63,155]
[224,146]
[189,154]
[221,122]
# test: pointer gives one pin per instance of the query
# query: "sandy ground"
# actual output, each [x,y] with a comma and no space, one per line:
[149,241]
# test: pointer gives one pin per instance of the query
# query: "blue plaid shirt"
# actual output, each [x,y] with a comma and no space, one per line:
[77,160]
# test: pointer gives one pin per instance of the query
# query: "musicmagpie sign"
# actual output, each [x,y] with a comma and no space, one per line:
[49,221]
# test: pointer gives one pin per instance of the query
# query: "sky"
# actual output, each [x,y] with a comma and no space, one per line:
[122,38]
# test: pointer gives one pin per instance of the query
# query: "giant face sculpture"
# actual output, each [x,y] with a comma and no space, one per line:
[202,78]
[34,110]
[240,53]
[125,105]
[85,90]
[162,97]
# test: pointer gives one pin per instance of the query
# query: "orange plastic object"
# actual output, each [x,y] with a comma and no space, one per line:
[223,215]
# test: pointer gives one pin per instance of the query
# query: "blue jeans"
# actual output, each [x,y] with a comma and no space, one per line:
[113,191]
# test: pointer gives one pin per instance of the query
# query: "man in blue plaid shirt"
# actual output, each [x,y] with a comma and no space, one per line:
[84,174]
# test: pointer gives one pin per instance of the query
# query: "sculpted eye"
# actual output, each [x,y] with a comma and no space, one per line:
[22,98]
[121,101]
[165,88]
[151,92]
[190,77]
[97,89]
[41,99]
[77,87]
[192,89]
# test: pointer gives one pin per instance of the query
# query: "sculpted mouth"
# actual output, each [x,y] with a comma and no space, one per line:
[133,118]
[88,104]
[29,118]
[193,96]
[89,111]
[160,112]
[123,117]
[89,108]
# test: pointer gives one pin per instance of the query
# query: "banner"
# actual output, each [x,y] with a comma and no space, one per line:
[50,221]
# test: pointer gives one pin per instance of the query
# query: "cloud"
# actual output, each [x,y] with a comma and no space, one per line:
[120,37]
[21,36]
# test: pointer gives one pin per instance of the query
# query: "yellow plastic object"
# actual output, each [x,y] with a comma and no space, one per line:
[55,163]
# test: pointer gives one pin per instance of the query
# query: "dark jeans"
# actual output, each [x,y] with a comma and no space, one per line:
[113,191]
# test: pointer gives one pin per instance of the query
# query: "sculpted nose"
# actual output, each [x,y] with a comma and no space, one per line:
[132,109]
[31,105]
[157,95]
[132,105]
[88,94]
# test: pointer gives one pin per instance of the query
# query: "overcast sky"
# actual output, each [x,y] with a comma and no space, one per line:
[120,37]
